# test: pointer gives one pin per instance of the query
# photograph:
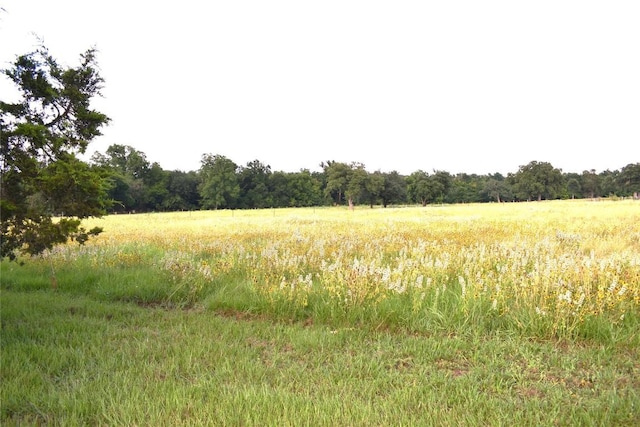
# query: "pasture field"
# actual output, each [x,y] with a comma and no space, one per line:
[504,314]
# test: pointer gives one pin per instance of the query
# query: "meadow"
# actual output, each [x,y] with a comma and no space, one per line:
[525,313]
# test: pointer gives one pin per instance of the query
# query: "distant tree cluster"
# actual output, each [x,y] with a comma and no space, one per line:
[140,186]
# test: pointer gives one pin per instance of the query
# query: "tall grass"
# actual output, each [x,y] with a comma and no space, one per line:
[556,269]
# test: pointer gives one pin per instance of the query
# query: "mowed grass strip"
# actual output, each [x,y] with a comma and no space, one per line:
[74,360]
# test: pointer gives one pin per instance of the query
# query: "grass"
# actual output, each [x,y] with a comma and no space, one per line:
[69,360]
[330,317]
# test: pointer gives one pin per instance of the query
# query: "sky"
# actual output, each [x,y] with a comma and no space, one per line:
[458,85]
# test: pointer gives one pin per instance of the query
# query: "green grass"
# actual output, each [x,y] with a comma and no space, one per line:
[70,359]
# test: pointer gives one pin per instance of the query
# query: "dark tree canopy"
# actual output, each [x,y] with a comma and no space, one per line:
[537,180]
[337,175]
[219,187]
[40,136]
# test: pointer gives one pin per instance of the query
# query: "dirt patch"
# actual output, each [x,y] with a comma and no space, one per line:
[453,368]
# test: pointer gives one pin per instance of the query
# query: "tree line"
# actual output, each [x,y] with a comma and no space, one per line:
[137,185]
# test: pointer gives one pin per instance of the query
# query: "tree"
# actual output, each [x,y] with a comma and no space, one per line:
[609,183]
[303,189]
[573,184]
[441,184]
[537,180]
[394,190]
[465,188]
[337,175]
[356,183]
[419,188]
[496,187]
[254,185]
[279,189]
[374,187]
[629,180]
[136,184]
[40,137]
[124,159]
[156,193]
[424,188]
[591,183]
[219,183]
[183,191]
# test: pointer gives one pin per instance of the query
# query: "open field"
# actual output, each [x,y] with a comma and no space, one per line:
[524,314]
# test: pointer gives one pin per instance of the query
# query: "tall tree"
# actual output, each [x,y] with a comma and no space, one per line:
[374,188]
[337,175]
[496,187]
[356,183]
[590,183]
[609,182]
[219,186]
[135,186]
[419,188]
[574,186]
[537,180]
[183,191]
[127,160]
[156,190]
[254,185]
[441,183]
[40,137]
[629,180]
[279,189]
[465,188]
[394,190]
[303,189]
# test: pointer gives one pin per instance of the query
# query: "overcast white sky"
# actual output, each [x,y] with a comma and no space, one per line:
[457,85]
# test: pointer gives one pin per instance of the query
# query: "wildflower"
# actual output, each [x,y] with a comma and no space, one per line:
[463,285]
[540,312]
[565,296]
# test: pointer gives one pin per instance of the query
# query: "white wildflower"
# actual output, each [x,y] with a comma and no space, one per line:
[540,312]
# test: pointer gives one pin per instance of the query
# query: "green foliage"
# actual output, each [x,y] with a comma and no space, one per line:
[394,190]
[219,186]
[182,188]
[630,179]
[424,188]
[590,184]
[537,181]
[357,178]
[254,185]
[40,137]
[301,189]
[356,184]
[138,186]
[337,175]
